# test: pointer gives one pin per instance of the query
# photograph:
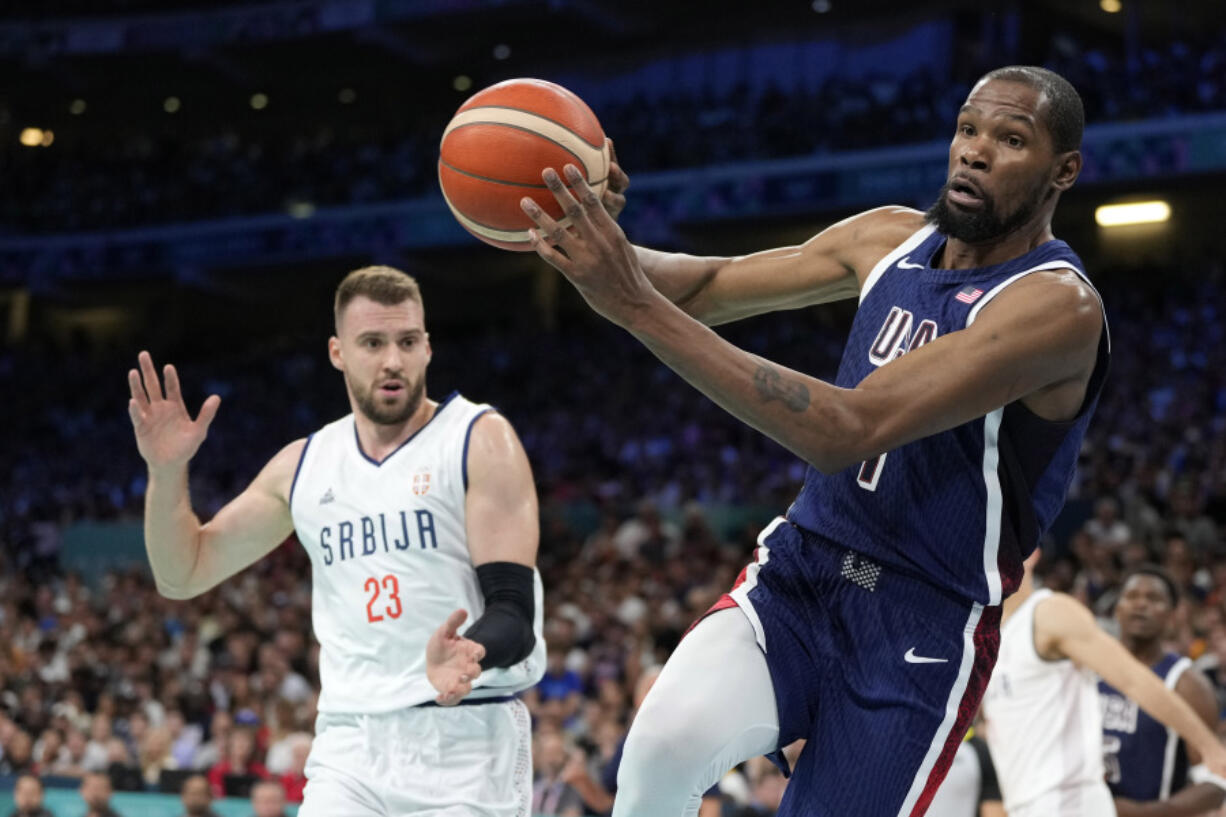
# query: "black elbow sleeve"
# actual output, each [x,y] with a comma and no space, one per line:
[505,628]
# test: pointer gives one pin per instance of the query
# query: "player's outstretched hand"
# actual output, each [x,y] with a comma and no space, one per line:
[166,435]
[614,197]
[1215,763]
[452,661]
[593,252]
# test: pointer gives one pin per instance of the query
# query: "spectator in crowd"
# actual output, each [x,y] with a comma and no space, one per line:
[293,780]
[197,797]
[125,775]
[267,799]
[18,754]
[97,755]
[28,797]
[558,695]
[551,795]
[96,792]
[1106,528]
[155,755]
[239,762]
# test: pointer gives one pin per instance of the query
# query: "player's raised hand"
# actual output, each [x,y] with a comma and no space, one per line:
[166,435]
[593,253]
[452,661]
[614,199]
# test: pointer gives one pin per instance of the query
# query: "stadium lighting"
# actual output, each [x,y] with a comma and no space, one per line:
[300,209]
[48,138]
[1136,212]
[259,101]
[502,51]
[462,83]
[346,96]
[1110,6]
[76,107]
[821,6]
[31,137]
[172,104]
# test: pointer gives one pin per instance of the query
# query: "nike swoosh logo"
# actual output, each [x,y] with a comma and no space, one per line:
[904,265]
[912,658]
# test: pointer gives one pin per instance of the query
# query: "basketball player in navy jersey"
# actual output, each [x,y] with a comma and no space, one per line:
[868,621]
[1147,763]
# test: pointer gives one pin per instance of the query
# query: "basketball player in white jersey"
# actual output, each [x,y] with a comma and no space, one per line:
[1044,724]
[415,513]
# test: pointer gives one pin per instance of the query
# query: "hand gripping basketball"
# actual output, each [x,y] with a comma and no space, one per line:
[593,253]
[166,435]
[453,662]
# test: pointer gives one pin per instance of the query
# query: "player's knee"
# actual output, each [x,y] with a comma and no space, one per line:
[657,747]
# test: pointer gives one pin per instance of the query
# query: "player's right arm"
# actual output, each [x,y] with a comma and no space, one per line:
[1196,798]
[188,558]
[830,266]
[1063,628]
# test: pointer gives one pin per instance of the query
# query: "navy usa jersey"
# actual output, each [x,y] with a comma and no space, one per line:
[1144,760]
[964,507]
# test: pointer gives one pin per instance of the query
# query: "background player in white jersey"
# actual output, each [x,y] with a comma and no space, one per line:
[1044,726]
[1151,772]
[413,512]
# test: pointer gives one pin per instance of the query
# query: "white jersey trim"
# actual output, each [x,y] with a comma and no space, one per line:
[894,255]
[1172,737]
[740,594]
[952,705]
[991,439]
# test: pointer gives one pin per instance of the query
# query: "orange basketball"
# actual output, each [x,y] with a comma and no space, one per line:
[496,146]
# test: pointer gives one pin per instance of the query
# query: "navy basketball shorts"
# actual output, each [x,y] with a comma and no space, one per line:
[881,672]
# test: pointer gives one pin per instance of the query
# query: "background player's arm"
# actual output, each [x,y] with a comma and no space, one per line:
[830,266]
[503,529]
[1064,628]
[503,523]
[1197,798]
[188,558]
[1041,332]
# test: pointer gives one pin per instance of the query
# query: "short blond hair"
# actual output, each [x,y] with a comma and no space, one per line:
[383,285]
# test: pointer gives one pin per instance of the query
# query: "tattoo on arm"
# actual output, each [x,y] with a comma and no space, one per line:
[771,386]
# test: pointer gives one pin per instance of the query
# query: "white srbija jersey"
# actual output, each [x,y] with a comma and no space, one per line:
[390,561]
[1044,726]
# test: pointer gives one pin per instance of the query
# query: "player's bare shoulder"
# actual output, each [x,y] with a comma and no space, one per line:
[277,476]
[865,238]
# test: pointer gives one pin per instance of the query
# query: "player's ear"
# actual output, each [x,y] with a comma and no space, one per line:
[334,353]
[429,349]
[1068,168]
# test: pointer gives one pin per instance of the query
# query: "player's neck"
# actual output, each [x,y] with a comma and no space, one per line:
[1147,652]
[379,440]
[958,254]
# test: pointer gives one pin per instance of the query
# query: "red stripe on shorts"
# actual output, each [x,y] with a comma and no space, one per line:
[987,645]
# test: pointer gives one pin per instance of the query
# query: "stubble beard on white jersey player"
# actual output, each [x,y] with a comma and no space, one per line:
[382,411]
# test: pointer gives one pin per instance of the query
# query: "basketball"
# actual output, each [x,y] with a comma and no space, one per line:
[497,144]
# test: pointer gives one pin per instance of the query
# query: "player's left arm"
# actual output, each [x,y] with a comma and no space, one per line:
[503,531]
[503,534]
[1065,628]
[1042,331]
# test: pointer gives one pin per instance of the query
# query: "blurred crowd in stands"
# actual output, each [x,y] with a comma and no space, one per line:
[632,466]
[105,183]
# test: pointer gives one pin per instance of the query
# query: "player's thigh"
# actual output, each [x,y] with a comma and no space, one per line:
[477,761]
[889,725]
[713,704]
[329,794]
[338,771]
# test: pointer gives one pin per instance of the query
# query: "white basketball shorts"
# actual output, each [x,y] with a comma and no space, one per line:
[427,761]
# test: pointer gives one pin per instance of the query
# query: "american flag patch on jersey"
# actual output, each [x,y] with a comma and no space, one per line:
[968,294]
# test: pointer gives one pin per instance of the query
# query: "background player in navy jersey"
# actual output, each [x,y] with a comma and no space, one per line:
[1147,763]
[869,619]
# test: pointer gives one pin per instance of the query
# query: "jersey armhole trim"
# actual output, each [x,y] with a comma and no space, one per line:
[915,239]
[297,470]
[468,436]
